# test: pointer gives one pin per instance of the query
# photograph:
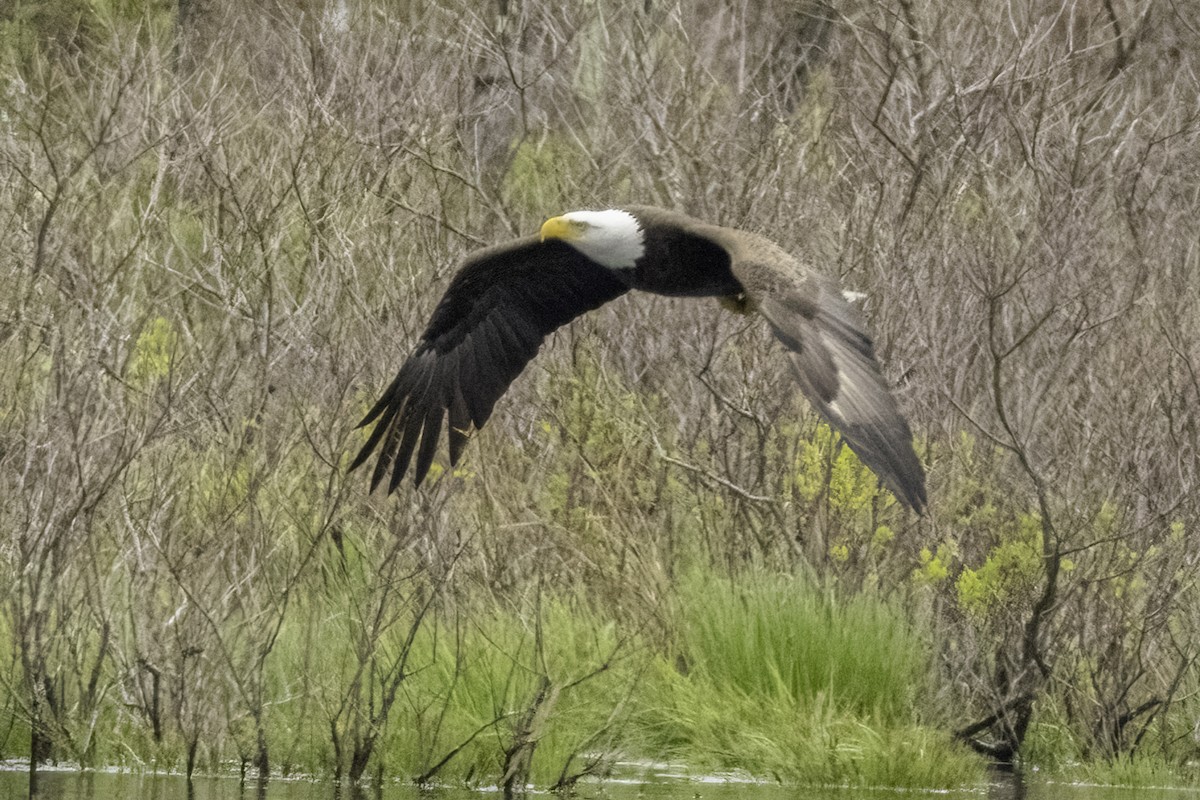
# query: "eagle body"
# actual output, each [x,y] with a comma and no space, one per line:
[506,299]
[680,259]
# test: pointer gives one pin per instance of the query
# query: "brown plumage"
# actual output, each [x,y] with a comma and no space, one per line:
[506,299]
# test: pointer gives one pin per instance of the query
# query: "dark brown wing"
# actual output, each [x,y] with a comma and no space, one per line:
[834,361]
[490,323]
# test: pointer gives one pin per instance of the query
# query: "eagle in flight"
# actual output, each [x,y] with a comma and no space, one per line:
[506,299]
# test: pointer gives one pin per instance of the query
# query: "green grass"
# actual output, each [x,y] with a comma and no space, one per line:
[554,675]
[1138,772]
[767,676]
[775,636]
[778,678]
[1061,756]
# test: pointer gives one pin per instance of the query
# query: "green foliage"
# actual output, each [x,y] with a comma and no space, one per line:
[775,637]
[153,353]
[541,172]
[1135,771]
[60,28]
[812,689]
[32,23]
[1051,744]
[826,467]
[935,565]
[14,728]
[596,423]
[1010,574]
[555,676]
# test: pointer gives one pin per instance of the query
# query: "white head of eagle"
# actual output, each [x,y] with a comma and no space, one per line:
[612,238]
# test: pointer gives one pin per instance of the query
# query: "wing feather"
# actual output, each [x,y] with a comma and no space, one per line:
[460,424]
[430,434]
[833,359]
[491,322]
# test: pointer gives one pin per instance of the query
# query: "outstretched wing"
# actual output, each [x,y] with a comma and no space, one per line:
[834,360]
[490,323]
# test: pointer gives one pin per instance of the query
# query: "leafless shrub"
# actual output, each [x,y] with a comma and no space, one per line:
[227,227]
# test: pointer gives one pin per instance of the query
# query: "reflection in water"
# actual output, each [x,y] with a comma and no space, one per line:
[55,785]
[1006,784]
[356,791]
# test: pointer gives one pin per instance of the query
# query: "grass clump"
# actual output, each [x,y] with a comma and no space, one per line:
[483,694]
[766,675]
[774,673]
[534,694]
[1134,771]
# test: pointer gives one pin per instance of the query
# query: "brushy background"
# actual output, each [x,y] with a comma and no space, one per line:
[225,224]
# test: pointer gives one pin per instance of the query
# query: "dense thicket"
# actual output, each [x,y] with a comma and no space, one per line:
[225,224]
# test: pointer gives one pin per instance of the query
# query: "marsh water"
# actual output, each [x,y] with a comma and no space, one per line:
[644,786]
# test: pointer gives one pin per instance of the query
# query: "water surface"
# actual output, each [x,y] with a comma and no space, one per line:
[64,785]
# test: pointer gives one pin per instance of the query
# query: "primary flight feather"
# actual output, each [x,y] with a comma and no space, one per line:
[506,299]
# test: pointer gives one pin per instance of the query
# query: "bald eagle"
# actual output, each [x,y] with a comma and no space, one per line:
[505,300]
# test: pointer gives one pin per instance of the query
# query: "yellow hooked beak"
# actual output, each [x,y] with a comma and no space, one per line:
[562,228]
